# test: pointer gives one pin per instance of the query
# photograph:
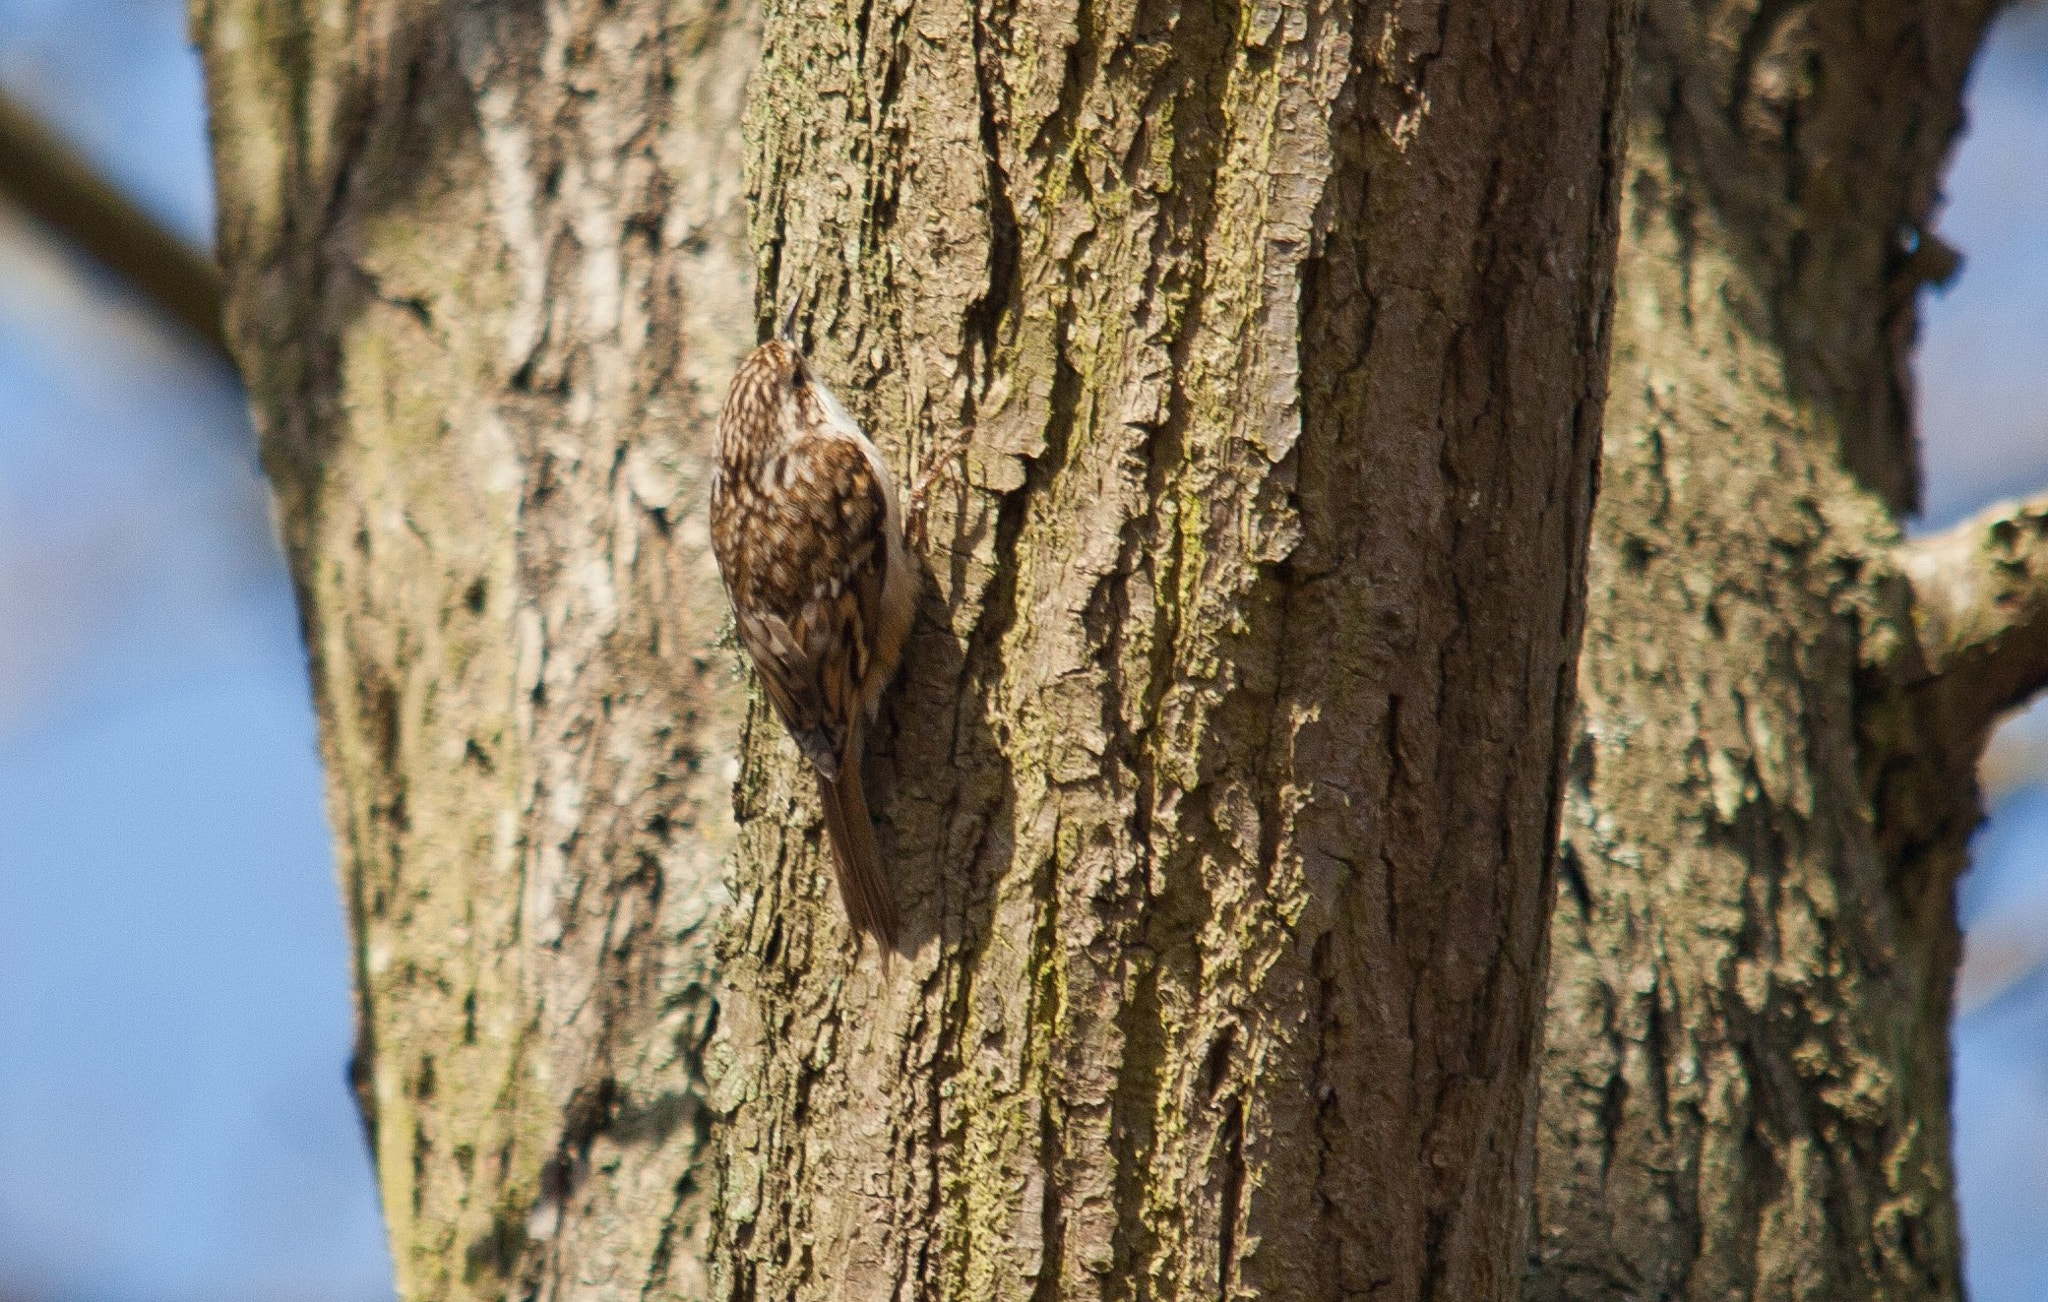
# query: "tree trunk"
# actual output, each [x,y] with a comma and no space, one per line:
[1219,787]
[1746,1068]
[487,280]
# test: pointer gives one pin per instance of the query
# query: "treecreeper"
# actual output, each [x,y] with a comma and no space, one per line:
[811,542]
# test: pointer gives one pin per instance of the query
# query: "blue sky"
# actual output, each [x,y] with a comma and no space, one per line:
[1983,366]
[174,1016]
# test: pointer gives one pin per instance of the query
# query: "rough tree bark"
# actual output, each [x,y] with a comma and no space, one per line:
[1746,1070]
[487,280]
[1217,782]
[1219,786]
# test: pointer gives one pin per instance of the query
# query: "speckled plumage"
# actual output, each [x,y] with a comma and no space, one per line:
[809,539]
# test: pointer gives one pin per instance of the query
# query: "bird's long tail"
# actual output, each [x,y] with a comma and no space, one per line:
[856,859]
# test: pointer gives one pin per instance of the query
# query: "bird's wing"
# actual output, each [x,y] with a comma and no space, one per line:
[811,603]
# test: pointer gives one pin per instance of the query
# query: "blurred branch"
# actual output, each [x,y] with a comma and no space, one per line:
[46,178]
[1981,593]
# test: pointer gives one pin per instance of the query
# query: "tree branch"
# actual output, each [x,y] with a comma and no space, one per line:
[51,182]
[1981,599]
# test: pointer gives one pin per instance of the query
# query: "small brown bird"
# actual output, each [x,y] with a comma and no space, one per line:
[809,539]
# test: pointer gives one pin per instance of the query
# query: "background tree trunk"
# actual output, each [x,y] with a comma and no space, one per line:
[1219,787]
[1746,1069]
[487,281]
